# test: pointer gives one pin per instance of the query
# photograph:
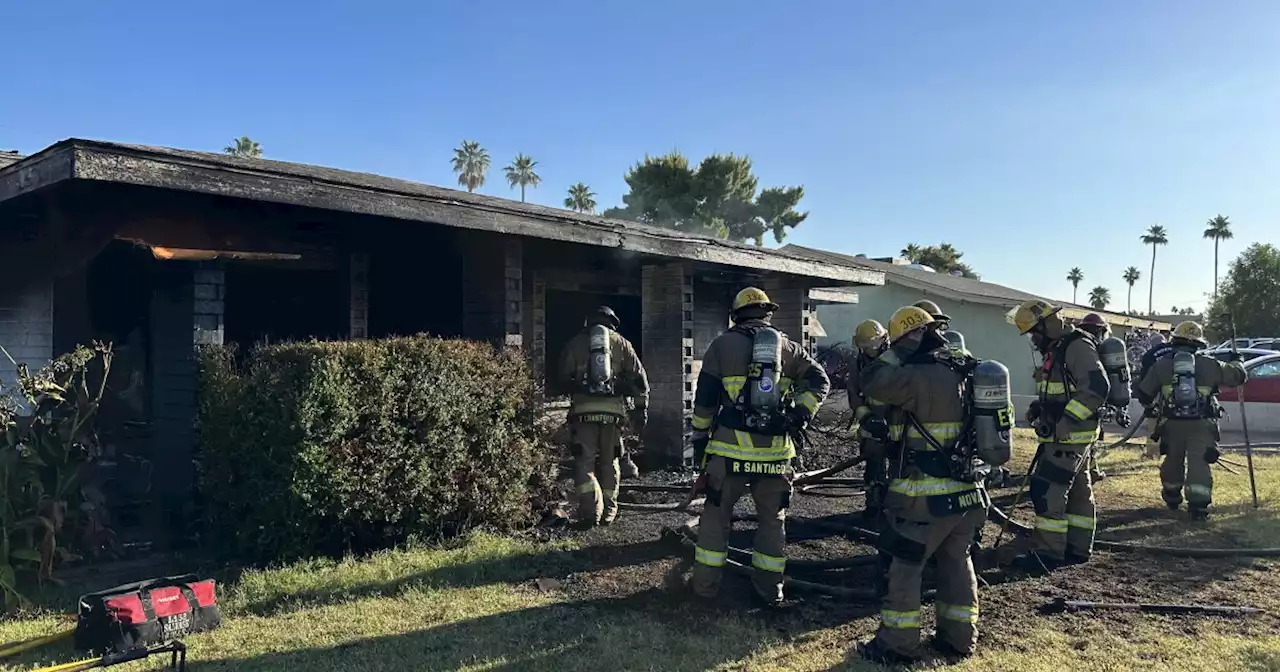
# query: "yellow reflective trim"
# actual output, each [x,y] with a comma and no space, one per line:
[1078,438]
[895,432]
[1205,490]
[924,487]
[1054,525]
[771,453]
[1051,387]
[587,487]
[700,423]
[900,619]
[808,400]
[1082,522]
[957,612]
[709,558]
[1078,410]
[733,385]
[768,563]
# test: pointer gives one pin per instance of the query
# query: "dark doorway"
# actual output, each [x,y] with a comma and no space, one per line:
[415,284]
[275,304]
[565,314]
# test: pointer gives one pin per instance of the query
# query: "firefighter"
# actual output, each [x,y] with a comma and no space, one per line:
[1072,386]
[1157,348]
[756,391]
[1183,388]
[870,338]
[955,339]
[600,366]
[1095,326]
[928,511]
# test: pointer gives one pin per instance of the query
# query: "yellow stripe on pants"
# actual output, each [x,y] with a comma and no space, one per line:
[900,619]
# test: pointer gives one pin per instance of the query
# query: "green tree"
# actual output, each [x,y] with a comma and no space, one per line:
[1131,277]
[943,258]
[520,174]
[721,197]
[1099,297]
[1248,293]
[1219,229]
[1074,277]
[244,146]
[581,199]
[471,163]
[1155,237]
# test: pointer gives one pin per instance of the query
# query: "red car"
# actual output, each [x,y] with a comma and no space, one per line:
[1264,381]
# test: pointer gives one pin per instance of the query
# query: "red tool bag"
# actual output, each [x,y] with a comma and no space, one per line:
[146,613]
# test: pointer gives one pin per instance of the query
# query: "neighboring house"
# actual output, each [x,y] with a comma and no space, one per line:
[161,250]
[982,311]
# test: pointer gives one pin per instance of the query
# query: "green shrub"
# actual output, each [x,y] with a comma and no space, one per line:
[325,448]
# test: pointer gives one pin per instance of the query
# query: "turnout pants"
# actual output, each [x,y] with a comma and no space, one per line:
[1062,491]
[595,469]
[1186,442]
[909,544]
[771,494]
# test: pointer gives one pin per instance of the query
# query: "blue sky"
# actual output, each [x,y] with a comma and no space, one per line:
[1034,136]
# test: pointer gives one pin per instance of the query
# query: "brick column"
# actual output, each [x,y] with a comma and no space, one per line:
[187,310]
[358,295]
[794,309]
[666,322]
[492,287]
[538,333]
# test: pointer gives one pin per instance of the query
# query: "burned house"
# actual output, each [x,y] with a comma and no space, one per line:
[159,250]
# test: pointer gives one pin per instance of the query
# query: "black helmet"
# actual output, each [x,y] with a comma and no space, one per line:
[604,315]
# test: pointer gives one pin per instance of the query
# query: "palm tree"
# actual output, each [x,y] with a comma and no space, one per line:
[1074,277]
[244,146]
[520,174]
[1099,297]
[910,252]
[581,199]
[470,162]
[1131,276]
[1155,237]
[1218,229]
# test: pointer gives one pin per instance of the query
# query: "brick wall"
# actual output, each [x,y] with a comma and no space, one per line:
[358,295]
[667,326]
[493,299]
[26,330]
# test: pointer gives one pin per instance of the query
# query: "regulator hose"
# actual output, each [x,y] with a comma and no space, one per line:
[998,516]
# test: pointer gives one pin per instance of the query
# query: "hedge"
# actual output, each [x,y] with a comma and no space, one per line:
[328,448]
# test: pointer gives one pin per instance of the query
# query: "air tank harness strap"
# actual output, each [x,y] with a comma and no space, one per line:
[736,419]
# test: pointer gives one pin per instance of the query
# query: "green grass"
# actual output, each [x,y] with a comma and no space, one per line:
[474,606]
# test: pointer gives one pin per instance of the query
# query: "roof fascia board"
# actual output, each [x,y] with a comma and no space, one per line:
[53,165]
[129,167]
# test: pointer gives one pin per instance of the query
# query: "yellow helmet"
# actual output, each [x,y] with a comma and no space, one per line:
[906,320]
[868,332]
[931,308]
[1190,331]
[753,296]
[1031,313]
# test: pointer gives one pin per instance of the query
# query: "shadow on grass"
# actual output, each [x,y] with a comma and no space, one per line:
[647,630]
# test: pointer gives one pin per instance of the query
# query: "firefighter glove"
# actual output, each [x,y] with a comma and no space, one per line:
[639,418]
[876,427]
[700,441]
[1033,412]
[798,417]
[1211,455]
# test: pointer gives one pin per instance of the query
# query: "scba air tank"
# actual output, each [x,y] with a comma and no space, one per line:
[1115,361]
[763,396]
[600,364]
[992,413]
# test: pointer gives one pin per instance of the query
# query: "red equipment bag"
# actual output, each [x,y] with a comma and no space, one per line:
[146,613]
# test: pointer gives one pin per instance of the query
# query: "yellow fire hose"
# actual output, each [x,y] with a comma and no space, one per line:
[14,648]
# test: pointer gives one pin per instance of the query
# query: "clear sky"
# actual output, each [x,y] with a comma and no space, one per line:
[1034,136]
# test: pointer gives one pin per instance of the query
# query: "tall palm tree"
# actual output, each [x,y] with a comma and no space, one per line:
[471,163]
[1131,276]
[911,251]
[1155,237]
[520,174]
[581,199]
[1218,229]
[244,146]
[1074,277]
[1099,297]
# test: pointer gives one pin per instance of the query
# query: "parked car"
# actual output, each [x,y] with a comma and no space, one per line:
[1247,354]
[1258,343]
[1264,381]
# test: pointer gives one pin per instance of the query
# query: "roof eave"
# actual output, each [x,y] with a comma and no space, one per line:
[104,163]
[54,164]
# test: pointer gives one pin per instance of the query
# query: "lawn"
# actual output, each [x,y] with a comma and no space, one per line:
[611,600]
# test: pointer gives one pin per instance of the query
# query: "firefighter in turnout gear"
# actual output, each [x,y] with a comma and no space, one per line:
[1072,386]
[936,499]
[1183,388]
[955,339]
[602,369]
[871,339]
[1159,348]
[757,388]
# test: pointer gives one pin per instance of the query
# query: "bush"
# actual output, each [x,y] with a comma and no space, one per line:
[339,447]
